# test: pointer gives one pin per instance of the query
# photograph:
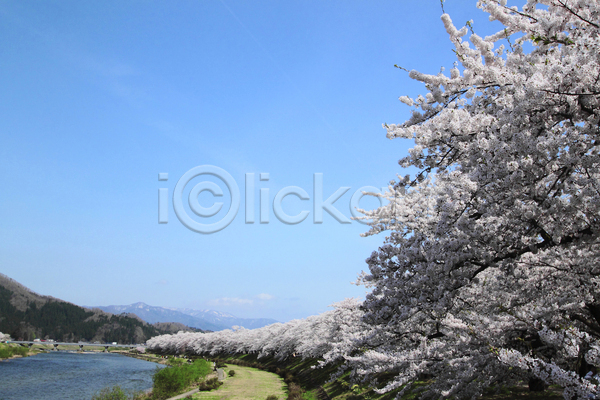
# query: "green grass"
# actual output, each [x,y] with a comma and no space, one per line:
[248,383]
[172,361]
[168,382]
[11,350]
[116,393]
[209,397]
[312,380]
[310,396]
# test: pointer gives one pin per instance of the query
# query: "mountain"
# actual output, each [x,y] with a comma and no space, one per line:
[153,315]
[228,320]
[27,315]
[201,319]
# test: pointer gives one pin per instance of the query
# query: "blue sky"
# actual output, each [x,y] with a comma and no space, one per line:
[99,97]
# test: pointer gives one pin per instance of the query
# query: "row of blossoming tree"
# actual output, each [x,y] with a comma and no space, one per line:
[490,269]
[330,336]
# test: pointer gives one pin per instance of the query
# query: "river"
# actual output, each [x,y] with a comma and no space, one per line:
[72,376]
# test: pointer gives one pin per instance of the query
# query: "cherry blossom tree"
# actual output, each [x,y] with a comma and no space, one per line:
[328,336]
[489,273]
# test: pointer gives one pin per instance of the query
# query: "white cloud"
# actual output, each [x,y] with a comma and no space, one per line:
[265,296]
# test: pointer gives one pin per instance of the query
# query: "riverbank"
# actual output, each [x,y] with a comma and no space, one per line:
[11,351]
[246,383]
[142,356]
[315,383]
[229,381]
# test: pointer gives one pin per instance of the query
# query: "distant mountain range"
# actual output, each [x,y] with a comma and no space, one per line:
[200,319]
[27,315]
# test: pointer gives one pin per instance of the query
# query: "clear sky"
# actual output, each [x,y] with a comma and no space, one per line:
[98,98]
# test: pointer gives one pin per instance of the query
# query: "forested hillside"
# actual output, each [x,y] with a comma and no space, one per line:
[26,315]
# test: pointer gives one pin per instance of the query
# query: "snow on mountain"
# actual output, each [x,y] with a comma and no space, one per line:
[201,319]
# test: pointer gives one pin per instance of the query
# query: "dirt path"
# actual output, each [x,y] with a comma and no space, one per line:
[247,384]
[184,395]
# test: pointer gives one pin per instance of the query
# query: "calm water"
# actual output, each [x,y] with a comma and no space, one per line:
[72,376]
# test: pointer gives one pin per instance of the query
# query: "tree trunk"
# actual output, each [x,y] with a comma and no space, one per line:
[536,385]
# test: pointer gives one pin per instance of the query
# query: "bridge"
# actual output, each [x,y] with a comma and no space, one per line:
[80,344]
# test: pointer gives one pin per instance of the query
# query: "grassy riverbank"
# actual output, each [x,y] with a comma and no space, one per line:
[8,351]
[246,383]
[172,381]
[145,356]
[291,379]
[178,378]
[13,350]
[310,383]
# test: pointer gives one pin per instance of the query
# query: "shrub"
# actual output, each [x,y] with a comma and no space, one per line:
[170,381]
[288,377]
[294,391]
[7,351]
[210,384]
[175,361]
[272,397]
[231,372]
[114,393]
